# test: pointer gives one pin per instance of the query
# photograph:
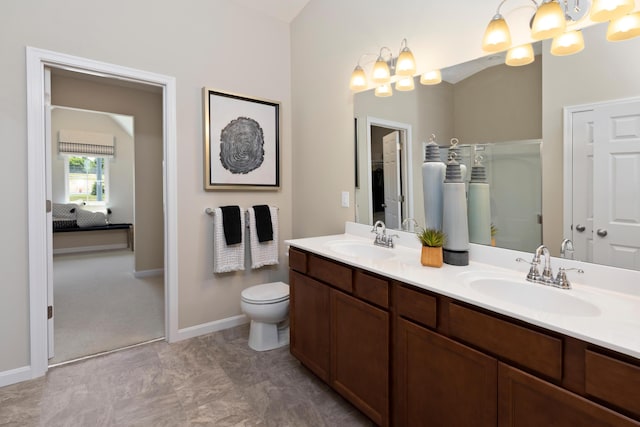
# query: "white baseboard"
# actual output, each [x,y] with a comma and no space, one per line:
[90,248]
[207,328]
[148,273]
[17,375]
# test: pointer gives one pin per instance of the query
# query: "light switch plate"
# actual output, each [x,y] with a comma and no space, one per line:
[345,199]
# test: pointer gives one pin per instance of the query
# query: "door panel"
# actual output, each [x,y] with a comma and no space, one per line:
[391,158]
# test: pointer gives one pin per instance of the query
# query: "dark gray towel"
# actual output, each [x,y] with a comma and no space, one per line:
[264,227]
[231,224]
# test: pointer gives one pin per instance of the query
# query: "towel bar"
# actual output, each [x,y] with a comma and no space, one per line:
[212,212]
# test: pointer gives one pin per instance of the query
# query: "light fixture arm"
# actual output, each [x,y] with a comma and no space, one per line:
[504,1]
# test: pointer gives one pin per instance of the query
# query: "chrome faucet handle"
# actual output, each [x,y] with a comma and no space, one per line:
[533,274]
[561,281]
[390,237]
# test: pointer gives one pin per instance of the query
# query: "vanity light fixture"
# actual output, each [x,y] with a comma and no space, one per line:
[567,43]
[520,55]
[384,90]
[432,77]
[624,28]
[607,10]
[385,66]
[405,84]
[549,20]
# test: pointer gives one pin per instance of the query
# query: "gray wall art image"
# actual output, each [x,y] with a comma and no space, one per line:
[242,145]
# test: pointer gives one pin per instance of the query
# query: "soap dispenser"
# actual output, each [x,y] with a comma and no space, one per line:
[479,205]
[433,172]
[454,219]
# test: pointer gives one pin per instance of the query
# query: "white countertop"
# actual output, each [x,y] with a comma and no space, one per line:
[614,323]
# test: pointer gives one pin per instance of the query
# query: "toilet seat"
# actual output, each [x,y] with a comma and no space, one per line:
[268,293]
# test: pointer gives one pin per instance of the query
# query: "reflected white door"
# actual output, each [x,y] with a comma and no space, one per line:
[391,170]
[616,188]
[612,236]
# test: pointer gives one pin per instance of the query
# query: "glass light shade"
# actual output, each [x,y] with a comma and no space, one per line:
[405,84]
[384,90]
[520,55]
[624,28]
[606,10]
[406,64]
[358,79]
[549,21]
[567,43]
[381,73]
[497,36]
[431,77]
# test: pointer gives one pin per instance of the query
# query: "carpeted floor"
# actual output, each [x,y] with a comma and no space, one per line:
[99,305]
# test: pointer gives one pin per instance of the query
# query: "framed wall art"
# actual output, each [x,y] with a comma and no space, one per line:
[241,142]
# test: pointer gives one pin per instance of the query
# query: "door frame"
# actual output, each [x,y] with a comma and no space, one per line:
[36,61]
[406,172]
[567,166]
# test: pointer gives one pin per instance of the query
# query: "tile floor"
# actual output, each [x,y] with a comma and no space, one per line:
[213,380]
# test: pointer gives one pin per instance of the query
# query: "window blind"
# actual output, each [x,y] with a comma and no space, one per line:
[85,143]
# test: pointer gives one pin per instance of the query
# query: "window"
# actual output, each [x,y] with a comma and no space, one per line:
[87,179]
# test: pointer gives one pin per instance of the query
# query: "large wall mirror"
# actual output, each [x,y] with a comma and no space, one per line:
[526,121]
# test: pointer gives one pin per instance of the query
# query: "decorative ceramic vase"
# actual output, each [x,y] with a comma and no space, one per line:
[431,256]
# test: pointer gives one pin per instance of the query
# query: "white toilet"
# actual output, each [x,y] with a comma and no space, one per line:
[268,308]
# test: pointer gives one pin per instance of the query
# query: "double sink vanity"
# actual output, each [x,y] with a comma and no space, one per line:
[458,346]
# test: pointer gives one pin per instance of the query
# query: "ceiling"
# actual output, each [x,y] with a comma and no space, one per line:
[284,10]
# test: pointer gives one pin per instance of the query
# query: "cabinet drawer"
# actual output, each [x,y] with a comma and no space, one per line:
[371,289]
[613,381]
[531,349]
[330,272]
[297,260]
[416,306]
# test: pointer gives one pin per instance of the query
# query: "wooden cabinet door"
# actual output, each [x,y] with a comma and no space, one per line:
[440,382]
[360,355]
[309,322]
[525,400]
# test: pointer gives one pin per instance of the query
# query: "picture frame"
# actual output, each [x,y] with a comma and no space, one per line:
[241,142]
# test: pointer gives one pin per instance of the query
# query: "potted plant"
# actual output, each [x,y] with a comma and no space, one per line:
[432,241]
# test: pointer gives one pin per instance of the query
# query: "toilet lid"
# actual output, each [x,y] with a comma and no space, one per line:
[267,293]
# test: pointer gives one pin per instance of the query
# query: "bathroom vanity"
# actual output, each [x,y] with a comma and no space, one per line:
[410,345]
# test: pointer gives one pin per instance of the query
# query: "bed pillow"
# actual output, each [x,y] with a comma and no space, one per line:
[64,210]
[87,218]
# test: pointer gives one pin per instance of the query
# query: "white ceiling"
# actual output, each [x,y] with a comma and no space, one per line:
[284,10]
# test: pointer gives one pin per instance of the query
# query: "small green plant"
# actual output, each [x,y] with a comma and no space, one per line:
[431,237]
[494,230]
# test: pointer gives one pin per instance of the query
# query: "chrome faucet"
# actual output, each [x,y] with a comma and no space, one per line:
[406,224]
[566,249]
[546,278]
[382,239]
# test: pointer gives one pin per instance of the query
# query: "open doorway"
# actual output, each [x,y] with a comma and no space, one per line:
[40,218]
[101,302]
[389,169]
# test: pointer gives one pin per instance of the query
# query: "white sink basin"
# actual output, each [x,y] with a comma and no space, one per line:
[531,295]
[360,250]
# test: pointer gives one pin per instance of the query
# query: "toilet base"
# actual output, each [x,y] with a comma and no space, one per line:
[268,336]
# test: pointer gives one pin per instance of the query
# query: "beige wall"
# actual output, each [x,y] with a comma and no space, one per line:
[604,71]
[214,43]
[501,103]
[145,107]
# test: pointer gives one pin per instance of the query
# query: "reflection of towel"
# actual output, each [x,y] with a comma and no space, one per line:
[226,257]
[265,253]
[231,224]
[264,227]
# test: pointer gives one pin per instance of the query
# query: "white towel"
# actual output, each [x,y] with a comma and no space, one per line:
[226,258]
[265,253]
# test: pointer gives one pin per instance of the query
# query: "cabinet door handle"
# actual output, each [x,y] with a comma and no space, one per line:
[601,232]
[580,228]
